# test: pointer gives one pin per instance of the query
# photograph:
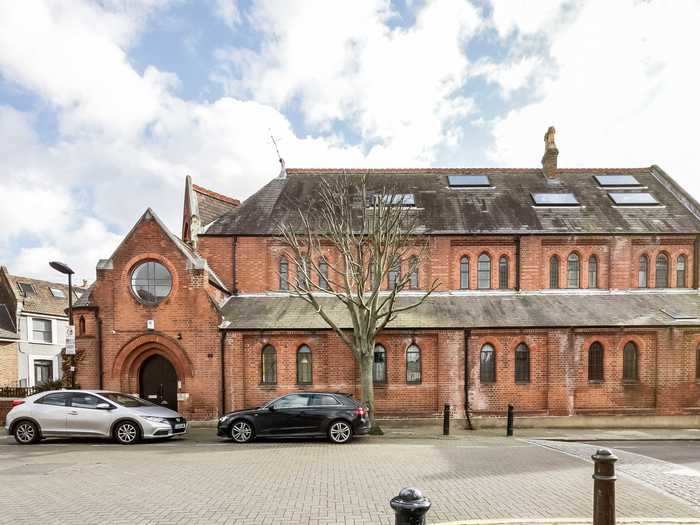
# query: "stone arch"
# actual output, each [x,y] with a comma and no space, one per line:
[132,355]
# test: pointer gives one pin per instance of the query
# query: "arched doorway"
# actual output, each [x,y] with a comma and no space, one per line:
[158,381]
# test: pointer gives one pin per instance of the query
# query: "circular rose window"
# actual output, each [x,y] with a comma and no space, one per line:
[151,282]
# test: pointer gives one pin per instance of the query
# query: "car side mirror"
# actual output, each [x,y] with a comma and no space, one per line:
[103,406]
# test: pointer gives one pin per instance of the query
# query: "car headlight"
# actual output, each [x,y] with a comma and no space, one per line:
[155,419]
[222,419]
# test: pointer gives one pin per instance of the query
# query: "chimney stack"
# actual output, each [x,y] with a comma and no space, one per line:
[549,159]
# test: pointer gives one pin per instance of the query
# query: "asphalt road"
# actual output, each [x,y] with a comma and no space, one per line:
[686,453]
[204,479]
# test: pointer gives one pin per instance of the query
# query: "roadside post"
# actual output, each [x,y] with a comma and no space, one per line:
[410,507]
[446,420]
[604,487]
[509,423]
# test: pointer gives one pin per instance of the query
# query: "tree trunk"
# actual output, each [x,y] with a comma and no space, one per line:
[367,385]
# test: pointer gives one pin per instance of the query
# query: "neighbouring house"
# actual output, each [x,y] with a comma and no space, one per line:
[563,292]
[33,322]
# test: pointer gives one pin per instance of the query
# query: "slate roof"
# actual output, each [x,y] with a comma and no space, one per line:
[8,330]
[42,301]
[502,310]
[504,208]
[212,205]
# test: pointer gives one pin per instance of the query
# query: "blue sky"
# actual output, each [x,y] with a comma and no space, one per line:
[106,106]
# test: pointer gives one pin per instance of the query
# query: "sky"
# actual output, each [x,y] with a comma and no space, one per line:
[106,106]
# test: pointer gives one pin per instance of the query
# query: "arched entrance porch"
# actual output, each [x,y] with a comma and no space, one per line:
[158,381]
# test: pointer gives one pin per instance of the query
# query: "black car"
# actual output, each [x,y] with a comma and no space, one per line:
[306,414]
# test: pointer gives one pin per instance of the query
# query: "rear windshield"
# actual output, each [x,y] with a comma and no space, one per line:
[126,401]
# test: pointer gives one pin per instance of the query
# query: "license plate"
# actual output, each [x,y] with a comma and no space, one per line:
[179,426]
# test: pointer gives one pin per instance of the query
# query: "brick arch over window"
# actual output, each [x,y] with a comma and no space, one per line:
[132,355]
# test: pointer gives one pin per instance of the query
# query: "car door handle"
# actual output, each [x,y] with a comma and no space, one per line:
[73,413]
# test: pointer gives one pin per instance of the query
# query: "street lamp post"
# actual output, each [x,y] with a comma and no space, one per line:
[66,270]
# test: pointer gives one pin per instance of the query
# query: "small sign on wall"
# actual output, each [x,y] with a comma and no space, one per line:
[70,340]
[182,396]
[150,324]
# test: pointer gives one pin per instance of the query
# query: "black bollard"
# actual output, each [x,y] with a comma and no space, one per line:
[604,487]
[446,420]
[509,424]
[410,507]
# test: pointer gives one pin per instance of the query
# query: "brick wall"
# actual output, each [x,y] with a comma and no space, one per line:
[5,407]
[8,363]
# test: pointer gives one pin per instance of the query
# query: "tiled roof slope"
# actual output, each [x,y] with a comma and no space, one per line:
[213,205]
[504,208]
[478,311]
[42,300]
[8,330]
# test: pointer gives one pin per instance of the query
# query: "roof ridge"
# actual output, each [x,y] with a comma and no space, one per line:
[215,195]
[35,280]
[436,170]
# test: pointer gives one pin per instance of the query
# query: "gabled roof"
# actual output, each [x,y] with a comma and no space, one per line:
[193,258]
[212,205]
[504,207]
[8,330]
[485,310]
[41,300]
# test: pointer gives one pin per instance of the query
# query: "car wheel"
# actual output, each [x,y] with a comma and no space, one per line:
[340,432]
[242,431]
[126,433]
[26,433]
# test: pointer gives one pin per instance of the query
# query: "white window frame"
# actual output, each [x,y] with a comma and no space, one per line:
[30,331]
[36,357]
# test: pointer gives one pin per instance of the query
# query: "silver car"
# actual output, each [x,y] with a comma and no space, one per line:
[91,413]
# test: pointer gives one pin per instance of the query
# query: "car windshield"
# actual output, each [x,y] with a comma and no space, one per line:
[126,401]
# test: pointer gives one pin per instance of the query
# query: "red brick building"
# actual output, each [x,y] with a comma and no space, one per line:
[562,291]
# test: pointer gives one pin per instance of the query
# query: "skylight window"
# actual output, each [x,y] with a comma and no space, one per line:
[633,199]
[616,180]
[25,289]
[399,199]
[468,181]
[554,199]
[58,293]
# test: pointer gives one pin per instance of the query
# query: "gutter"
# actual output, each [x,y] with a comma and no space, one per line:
[223,375]
[517,263]
[100,364]
[234,288]
[467,333]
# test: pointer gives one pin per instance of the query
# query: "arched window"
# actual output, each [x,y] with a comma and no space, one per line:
[304,367]
[661,271]
[413,365]
[323,273]
[268,365]
[680,272]
[284,273]
[393,275]
[593,272]
[303,273]
[595,362]
[464,273]
[484,271]
[379,364]
[554,272]
[643,271]
[503,272]
[413,268]
[630,362]
[522,363]
[487,364]
[81,325]
[573,271]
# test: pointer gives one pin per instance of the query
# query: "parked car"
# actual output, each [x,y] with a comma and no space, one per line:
[91,413]
[304,414]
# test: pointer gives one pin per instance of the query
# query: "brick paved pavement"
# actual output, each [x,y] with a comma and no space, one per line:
[202,480]
[678,480]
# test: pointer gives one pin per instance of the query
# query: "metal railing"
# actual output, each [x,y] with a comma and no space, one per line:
[17,391]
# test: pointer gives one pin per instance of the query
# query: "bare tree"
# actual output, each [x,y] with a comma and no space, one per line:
[360,246]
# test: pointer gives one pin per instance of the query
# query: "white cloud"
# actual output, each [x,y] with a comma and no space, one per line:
[397,87]
[228,11]
[527,17]
[622,91]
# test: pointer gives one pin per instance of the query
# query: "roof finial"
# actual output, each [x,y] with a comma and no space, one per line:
[283,168]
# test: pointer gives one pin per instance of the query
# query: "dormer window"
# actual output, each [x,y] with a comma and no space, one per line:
[57,293]
[151,282]
[26,289]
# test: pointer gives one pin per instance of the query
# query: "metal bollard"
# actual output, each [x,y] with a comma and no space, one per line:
[604,487]
[410,507]
[509,424]
[446,420]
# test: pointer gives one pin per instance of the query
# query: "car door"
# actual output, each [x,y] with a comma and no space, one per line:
[51,411]
[84,418]
[320,409]
[284,415]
